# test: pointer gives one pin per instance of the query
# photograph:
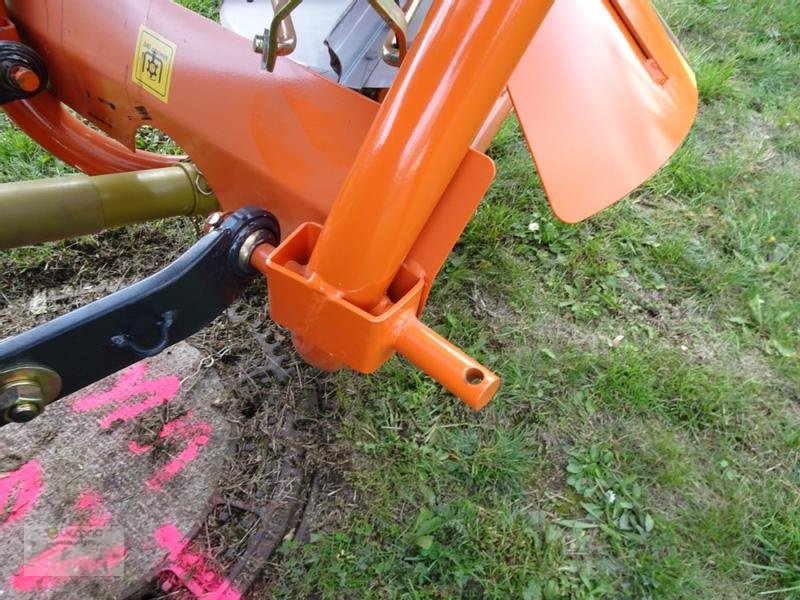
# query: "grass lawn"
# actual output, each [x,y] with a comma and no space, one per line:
[645,441]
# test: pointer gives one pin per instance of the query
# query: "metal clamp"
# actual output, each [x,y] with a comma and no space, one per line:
[281,38]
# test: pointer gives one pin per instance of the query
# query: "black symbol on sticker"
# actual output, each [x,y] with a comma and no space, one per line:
[152,66]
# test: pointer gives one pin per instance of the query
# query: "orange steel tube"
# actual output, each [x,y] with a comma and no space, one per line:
[463,376]
[458,68]
[51,125]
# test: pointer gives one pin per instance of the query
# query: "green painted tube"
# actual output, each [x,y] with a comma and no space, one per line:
[64,207]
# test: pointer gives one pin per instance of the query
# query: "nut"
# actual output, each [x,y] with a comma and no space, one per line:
[25,390]
[21,391]
[22,401]
[258,44]
[24,412]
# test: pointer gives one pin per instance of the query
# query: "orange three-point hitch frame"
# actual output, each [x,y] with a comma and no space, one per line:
[372,196]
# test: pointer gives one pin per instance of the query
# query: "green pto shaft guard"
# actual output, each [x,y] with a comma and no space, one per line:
[38,211]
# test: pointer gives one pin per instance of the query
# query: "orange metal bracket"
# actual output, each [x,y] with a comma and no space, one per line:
[337,330]
[451,215]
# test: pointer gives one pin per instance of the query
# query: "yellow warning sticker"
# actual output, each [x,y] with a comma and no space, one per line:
[152,65]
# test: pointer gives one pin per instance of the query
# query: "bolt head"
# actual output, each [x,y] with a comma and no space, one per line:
[213,221]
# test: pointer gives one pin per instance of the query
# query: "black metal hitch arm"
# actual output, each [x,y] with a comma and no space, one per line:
[88,344]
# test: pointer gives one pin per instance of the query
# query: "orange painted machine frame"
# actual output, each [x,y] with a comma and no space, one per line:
[372,196]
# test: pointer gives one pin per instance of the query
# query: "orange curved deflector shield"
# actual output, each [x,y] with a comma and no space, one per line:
[604,97]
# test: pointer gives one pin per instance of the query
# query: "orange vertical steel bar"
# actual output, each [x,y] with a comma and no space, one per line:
[457,69]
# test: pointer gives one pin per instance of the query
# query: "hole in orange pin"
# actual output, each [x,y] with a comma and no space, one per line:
[474,376]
